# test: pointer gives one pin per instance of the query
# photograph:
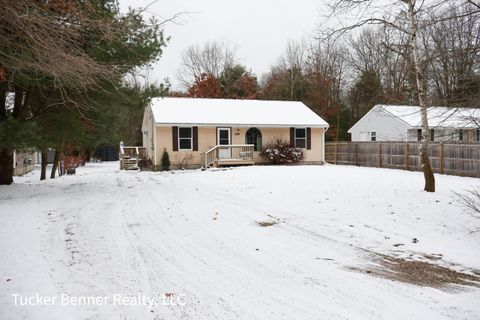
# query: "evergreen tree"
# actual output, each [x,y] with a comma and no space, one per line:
[238,83]
[165,161]
[366,93]
[91,58]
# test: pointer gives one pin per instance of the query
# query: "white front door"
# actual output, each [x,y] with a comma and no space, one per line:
[223,138]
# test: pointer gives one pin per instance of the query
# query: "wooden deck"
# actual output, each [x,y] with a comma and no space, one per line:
[228,155]
[129,157]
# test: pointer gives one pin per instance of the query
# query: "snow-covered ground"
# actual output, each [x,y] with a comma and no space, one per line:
[193,238]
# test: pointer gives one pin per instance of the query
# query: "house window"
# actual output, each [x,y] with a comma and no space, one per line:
[432,135]
[184,138]
[460,135]
[300,137]
[419,134]
[373,136]
[254,136]
[477,135]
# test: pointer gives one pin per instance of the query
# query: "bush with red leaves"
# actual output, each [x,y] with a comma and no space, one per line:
[279,151]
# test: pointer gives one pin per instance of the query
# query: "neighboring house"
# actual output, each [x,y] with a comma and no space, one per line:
[50,156]
[23,162]
[403,123]
[204,132]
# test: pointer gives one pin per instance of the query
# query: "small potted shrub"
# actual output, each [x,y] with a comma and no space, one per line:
[279,151]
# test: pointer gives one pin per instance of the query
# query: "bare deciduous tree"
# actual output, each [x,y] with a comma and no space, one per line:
[211,58]
[452,50]
[385,51]
[470,200]
[31,46]
[286,79]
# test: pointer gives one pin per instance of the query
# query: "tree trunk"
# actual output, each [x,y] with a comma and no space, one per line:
[6,154]
[6,166]
[43,173]
[422,99]
[3,97]
[56,160]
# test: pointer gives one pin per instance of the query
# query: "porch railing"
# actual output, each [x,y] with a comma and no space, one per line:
[129,156]
[228,154]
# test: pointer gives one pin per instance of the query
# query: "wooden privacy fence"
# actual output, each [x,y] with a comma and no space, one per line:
[446,158]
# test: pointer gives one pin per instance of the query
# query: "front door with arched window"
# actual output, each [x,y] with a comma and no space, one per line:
[254,136]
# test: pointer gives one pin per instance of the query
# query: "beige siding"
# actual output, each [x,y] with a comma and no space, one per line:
[207,138]
[270,134]
[318,147]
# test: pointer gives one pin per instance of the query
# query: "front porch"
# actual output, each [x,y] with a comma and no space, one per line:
[228,155]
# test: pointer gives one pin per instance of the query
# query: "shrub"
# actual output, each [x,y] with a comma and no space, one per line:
[279,151]
[182,159]
[145,164]
[470,200]
[165,161]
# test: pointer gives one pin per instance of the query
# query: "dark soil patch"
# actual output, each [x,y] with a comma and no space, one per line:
[419,273]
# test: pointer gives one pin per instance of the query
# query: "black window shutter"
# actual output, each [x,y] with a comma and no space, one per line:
[175,138]
[195,138]
[292,137]
[309,140]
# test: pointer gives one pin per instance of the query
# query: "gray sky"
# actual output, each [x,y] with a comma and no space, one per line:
[258,29]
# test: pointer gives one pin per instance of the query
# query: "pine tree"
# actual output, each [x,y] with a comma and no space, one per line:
[165,161]
[84,84]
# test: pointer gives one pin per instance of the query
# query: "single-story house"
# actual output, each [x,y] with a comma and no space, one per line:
[403,123]
[198,132]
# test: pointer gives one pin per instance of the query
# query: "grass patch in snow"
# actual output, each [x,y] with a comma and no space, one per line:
[266,223]
[270,222]
[419,273]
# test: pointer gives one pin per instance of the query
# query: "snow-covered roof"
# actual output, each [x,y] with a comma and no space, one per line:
[438,117]
[200,111]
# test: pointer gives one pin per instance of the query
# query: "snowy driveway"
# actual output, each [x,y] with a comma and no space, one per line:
[196,236]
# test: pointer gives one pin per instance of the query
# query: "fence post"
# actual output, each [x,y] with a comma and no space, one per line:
[355,150]
[440,163]
[379,154]
[335,153]
[405,155]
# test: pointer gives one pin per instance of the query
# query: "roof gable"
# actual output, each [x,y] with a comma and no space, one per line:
[201,111]
[438,117]
[376,109]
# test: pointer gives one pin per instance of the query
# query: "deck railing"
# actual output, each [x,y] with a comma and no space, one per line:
[228,154]
[129,156]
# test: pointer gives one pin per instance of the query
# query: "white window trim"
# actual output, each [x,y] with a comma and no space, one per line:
[229,134]
[373,134]
[191,138]
[295,137]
